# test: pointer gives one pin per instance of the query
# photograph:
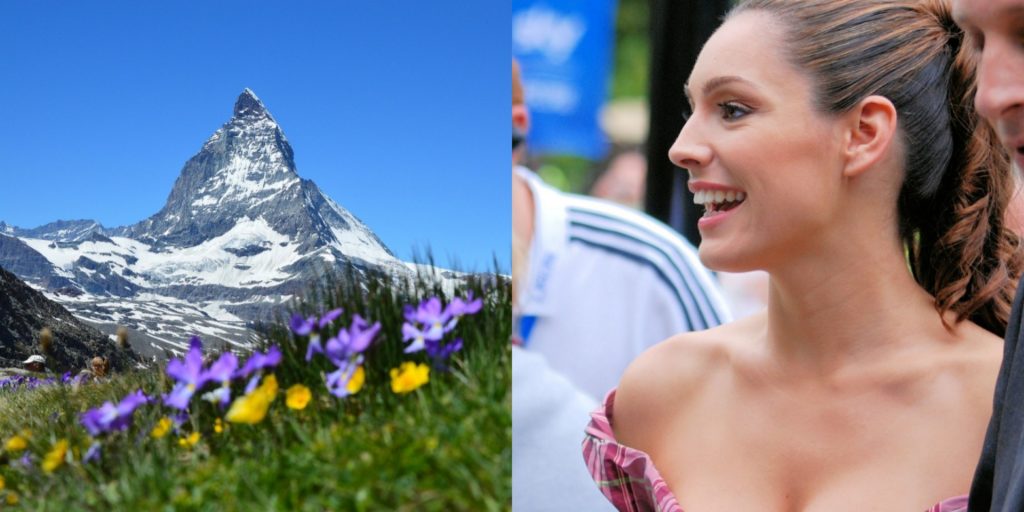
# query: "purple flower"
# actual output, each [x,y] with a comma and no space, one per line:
[109,417]
[337,381]
[259,361]
[418,337]
[426,322]
[344,351]
[302,326]
[93,453]
[350,342]
[347,343]
[329,317]
[460,307]
[188,373]
[427,325]
[254,382]
[439,352]
[431,315]
[222,370]
[314,347]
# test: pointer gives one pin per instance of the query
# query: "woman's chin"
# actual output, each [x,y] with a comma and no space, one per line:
[719,258]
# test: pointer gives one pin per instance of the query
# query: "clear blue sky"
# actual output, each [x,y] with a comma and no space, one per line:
[398,110]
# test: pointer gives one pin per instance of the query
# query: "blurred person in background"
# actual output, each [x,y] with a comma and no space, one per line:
[98,368]
[624,181]
[546,407]
[993,27]
[35,363]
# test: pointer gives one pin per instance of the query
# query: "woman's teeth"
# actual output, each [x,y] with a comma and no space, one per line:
[718,200]
[717,196]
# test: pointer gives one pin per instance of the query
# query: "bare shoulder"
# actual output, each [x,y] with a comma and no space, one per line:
[665,377]
[978,358]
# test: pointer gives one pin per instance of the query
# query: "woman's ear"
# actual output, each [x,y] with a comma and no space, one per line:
[872,130]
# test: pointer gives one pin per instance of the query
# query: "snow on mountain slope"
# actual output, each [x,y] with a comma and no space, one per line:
[240,234]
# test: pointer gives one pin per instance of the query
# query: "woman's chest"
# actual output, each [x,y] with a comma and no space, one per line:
[847,455]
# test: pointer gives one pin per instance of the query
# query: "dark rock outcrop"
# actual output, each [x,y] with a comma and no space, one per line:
[23,314]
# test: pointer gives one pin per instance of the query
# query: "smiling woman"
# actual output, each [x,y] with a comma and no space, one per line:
[829,141]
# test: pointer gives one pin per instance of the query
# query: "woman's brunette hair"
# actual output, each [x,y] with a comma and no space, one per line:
[958,179]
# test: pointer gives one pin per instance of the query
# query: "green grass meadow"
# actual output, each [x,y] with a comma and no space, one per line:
[444,446]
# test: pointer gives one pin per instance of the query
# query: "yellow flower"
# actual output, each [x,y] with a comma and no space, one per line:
[218,426]
[409,377]
[249,409]
[162,427]
[268,387]
[12,499]
[297,397]
[2,483]
[356,382]
[190,441]
[16,444]
[252,408]
[55,458]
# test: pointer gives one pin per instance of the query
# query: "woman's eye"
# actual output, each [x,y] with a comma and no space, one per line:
[732,111]
[687,112]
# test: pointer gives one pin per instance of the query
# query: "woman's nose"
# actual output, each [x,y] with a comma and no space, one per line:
[688,151]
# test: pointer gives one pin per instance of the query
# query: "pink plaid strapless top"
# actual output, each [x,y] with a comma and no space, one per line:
[628,478]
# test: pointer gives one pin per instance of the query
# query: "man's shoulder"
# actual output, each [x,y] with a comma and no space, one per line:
[640,242]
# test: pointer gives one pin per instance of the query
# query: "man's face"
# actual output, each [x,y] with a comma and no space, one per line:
[996,29]
[520,126]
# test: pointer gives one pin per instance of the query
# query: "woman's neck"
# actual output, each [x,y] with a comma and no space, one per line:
[827,313]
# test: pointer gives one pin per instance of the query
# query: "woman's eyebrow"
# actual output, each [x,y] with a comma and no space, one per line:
[720,81]
[715,83]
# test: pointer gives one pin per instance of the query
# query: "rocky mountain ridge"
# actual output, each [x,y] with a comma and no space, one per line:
[25,311]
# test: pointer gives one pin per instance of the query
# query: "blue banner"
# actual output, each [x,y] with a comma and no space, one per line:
[564,48]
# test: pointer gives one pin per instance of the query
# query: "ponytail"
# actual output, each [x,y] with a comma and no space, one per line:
[966,257]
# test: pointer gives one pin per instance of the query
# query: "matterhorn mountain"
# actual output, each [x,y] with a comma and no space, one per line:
[247,170]
[240,234]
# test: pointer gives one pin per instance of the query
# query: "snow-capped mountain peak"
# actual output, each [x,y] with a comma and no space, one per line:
[247,169]
[241,232]
[248,104]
